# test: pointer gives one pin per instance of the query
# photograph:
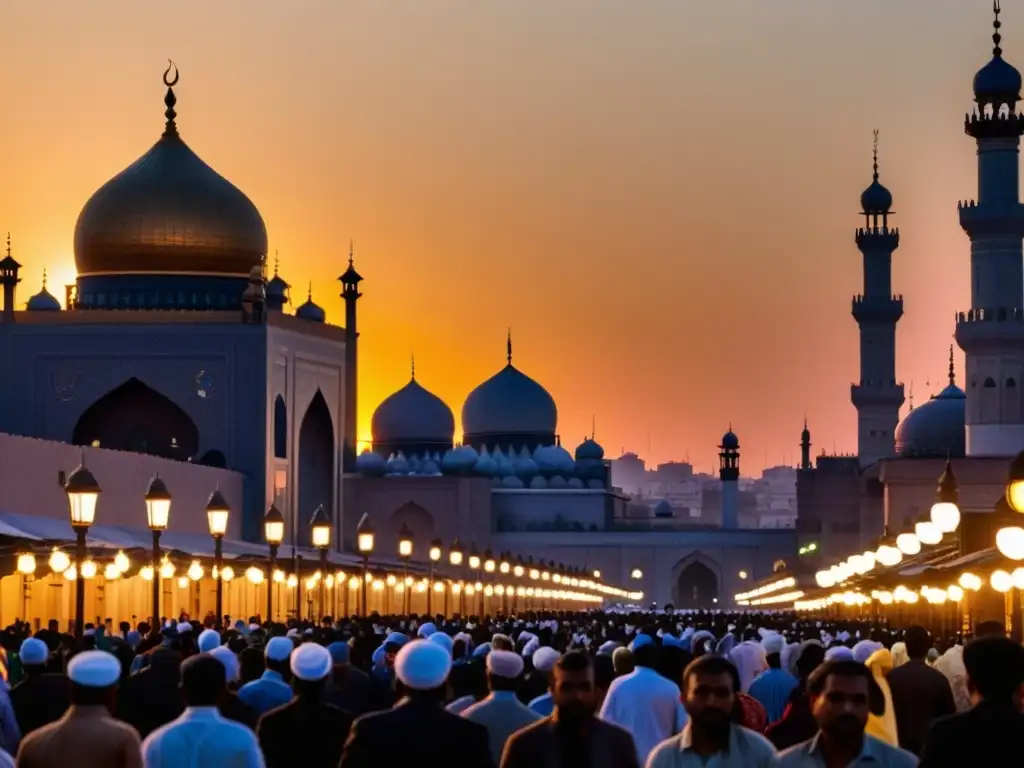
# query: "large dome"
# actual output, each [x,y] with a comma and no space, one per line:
[935,429]
[169,213]
[509,408]
[413,415]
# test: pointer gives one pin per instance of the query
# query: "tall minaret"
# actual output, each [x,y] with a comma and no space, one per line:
[991,334]
[9,281]
[729,473]
[805,447]
[350,293]
[878,396]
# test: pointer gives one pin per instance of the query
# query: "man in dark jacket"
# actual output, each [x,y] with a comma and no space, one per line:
[350,688]
[989,733]
[42,697]
[152,697]
[307,731]
[920,694]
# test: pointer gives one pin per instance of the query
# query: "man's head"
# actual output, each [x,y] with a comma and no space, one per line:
[710,685]
[841,693]
[503,670]
[990,629]
[918,642]
[572,687]
[94,676]
[203,680]
[995,668]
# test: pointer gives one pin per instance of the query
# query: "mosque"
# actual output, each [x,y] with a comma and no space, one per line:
[175,344]
[847,502]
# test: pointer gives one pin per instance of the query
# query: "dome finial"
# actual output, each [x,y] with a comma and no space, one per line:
[44,278]
[952,370]
[508,347]
[875,156]
[351,252]
[413,365]
[309,292]
[276,261]
[593,426]
[8,245]
[170,100]
[996,24]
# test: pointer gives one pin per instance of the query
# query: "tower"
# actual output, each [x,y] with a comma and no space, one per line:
[805,447]
[729,474]
[877,396]
[991,332]
[9,281]
[350,293]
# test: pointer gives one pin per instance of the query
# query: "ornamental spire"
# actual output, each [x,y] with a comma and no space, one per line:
[508,347]
[170,99]
[997,51]
[875,156]
[952,369]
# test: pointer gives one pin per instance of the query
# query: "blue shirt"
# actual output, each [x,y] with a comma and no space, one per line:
[10,733]
[267,693]
[873,752]
[746,749]
[201,738]
[543,705]
[772,689]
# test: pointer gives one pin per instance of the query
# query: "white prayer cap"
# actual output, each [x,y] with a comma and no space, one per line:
[293,633]
[208,640]
[607,648]
[544,658]
[311,662]
[531,646]
[862,651]
[505,664]
[33,651]
[94,669]
[184,627]
[279,648]
[427,630]
[838,653]
[442,640]
[773,642]
[422,665]
[232,667]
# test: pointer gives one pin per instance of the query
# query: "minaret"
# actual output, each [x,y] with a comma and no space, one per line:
[9,280]
[729,473]
[991,333]
[805,447]
[350,293]
[877,396]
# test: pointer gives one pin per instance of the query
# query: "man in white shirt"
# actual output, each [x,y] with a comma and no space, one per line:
[201,738]
[643,702]
[711,684]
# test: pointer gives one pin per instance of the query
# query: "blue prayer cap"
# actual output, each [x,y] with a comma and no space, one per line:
[640,641]
[339,652]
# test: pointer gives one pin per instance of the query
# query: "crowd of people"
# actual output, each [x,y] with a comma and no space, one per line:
[539,690]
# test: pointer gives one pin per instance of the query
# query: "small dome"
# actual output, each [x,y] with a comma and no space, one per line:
[504,464]
[369,463]
[936,428]
[526,467]
[590,450]
[563,459]
[430,468]
[557,483]
[413,414]
[664,509]
[876,198]
[44,301]
[730,441]
[575,482]
[485,465]
[538,483]
[397,465]
[998,82]
[511,481]
[310,310]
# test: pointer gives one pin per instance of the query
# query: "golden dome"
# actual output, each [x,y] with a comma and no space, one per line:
[169,212]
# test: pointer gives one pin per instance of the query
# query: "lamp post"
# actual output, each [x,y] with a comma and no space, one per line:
[158,512]
[435,555]
[217,514]
[474,566]
[364,542]
[504,568]
[273,532]
[489,566]
[83,492]
[945,514]
[321,525]
[518,570]
[405,552]
[455,558]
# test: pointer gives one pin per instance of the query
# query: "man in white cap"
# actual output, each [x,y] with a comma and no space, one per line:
[86,736]
[42,697]
[543,662]
[307,731]
[501,712]
[772,688]
[201,736]
[272,689]
[418,730]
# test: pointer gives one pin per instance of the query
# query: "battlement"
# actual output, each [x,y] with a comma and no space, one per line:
[872,392]
[994,125]
[996,315]
[881,238]
[976,219]
[877,309]
[981,330]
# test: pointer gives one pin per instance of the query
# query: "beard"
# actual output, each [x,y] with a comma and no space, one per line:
[714,722]
[846,727]
[574,713]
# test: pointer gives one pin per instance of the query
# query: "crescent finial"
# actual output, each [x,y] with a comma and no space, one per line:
[171,65]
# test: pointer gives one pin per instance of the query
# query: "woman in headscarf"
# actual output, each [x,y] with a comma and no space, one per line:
[749,659]
[882,725]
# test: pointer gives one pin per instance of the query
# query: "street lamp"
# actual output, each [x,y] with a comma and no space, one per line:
[405,552]
[364,542]
[158,513]
[273,532]
[927,532]
[1015,484]
[83,492]
[945,512]
[217,514]
[435,556]
[455,558]
[321,525]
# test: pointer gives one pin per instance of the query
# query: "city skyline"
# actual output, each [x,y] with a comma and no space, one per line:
[550,170]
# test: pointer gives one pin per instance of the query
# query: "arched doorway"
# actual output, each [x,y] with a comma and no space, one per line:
[316,465]
[697,587]
[134,417]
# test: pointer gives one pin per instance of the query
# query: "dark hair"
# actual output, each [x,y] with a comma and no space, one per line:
[809,659]
[847,668]
[86,696]
[203,680]
[990,629]
[645,655]
[710,664]
[573,661]
[918,641]
[995,666]
[604,672]
[499,683]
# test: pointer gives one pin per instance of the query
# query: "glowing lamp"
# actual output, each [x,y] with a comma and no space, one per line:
[83,492]
[217,514]
[158,505]
[1010,542]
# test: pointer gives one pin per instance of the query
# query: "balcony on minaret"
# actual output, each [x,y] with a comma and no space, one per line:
[867,310]
[994,124]
[883,238]
[991,218]
[870,392]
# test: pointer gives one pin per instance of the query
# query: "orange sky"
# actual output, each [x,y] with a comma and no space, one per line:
[659,198]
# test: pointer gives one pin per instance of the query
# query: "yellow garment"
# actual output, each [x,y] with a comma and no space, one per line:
[882,727]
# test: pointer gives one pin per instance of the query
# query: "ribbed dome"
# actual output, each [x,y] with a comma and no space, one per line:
[413,414]
[169,212]
[935,429]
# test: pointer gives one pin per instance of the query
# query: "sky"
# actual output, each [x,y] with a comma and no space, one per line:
[657,197]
